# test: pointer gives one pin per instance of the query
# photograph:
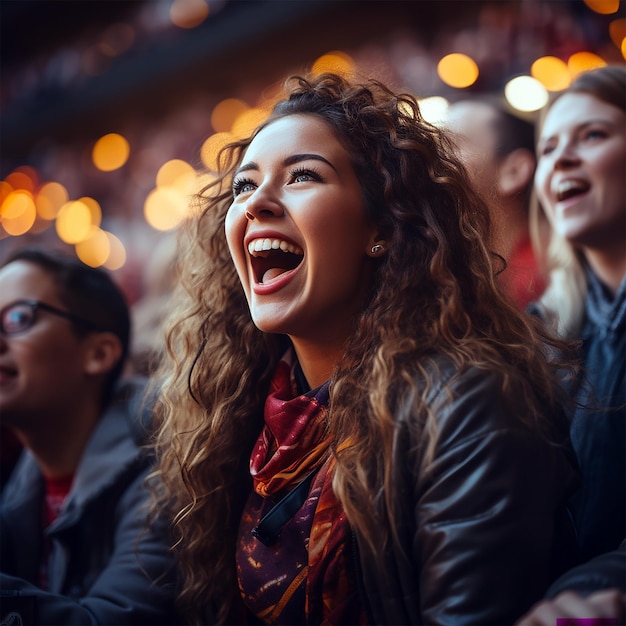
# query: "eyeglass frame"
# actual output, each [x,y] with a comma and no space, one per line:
[37,304]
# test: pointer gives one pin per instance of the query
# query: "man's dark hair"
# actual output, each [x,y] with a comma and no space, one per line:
[89,293]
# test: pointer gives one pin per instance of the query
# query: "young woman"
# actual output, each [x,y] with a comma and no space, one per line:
[580,184]
[580,232]
[357,428]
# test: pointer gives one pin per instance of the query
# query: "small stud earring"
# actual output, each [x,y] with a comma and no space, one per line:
[377,248]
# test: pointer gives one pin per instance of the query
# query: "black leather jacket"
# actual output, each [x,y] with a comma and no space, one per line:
[479,531]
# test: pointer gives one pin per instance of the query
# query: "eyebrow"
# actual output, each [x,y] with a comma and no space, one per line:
[581,126]
[290,160]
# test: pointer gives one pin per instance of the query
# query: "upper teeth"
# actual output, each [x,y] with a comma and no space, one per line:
[263,245]
[567,186]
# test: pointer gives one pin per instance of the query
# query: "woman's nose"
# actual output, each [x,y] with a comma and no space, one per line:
[263,203]
[565,154]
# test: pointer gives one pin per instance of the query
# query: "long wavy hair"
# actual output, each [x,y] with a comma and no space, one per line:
[433,293]
[563,302]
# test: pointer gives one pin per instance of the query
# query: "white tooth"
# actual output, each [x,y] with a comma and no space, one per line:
[275,244]
[267,244]
[258,245]
[284,246]
[251,247]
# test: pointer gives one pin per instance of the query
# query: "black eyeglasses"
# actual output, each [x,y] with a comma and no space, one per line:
[20,315]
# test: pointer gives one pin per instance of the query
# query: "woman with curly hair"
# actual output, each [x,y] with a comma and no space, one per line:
[356,426]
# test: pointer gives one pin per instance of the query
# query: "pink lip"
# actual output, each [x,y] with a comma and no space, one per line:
[264,289]
[573,201]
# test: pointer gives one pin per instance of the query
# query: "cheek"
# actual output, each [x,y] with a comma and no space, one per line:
[234,228]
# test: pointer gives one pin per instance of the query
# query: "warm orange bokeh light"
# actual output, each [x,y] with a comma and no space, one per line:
[604,7]
[18,212]
[117,254]
[337,62]
[165,208]
[248,121]
[457,70]
[211,148]
[583,61]
[617,31]
[226,112]
[94,250]
[23,177]
[176,173]
[110,152]
[552,73]
[73,223]
[49,200]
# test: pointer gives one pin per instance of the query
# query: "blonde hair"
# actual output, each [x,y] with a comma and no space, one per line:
[563,302]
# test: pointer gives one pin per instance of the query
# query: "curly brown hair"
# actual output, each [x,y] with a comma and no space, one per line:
[434,292]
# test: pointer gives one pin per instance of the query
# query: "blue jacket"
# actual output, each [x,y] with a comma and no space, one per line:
[598,431]
[104,567]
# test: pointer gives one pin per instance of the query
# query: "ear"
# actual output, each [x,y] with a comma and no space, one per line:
[102,353]
[376,245]
[515,172]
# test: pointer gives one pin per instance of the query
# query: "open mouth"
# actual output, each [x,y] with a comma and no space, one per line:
[570,188]
[273,257]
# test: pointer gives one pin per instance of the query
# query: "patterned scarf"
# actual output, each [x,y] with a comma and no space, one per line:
[304,577]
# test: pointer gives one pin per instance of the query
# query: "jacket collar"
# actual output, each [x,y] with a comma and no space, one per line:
[605,315]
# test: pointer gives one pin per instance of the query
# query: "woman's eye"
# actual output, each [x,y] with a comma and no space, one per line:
[242,186]
[595,133]
[305,175]
[546,149]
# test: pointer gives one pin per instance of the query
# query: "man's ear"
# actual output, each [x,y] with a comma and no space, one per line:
[103,351]
[516,172]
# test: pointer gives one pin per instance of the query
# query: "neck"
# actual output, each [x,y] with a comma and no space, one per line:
[317,361]
[608,265]
[58,445]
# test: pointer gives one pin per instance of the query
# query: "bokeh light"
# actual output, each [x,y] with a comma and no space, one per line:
[604,7]
[110,152]
[23,177]
[581,62]
[226,112]
[49,200]
[94,249]
[336,62]
[18,212]
[73,222]
[117,252]
[165,208]
[617,31]
[248,121]
[458,70]
[552,73]
[526,93]
[434,109]
[188,13]
[211,147]
[176,173]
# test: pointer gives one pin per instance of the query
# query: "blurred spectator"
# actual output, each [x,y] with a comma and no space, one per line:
[10,448]
[581,224]
[76,547]
[497,148]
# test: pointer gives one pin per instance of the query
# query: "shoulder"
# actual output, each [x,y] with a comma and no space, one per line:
[470,401]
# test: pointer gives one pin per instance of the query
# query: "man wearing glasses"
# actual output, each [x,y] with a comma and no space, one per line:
[76,547]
